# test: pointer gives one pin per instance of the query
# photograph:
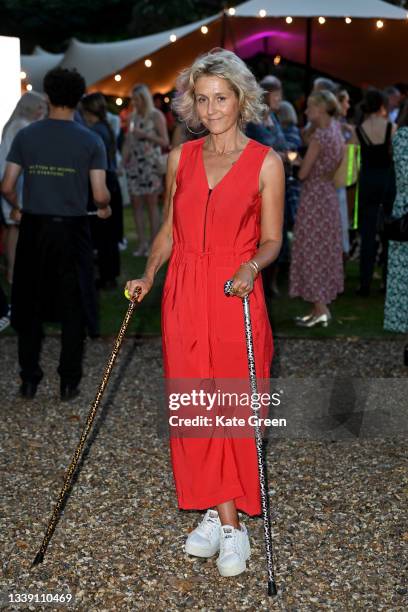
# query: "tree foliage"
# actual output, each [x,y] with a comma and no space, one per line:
[51,23]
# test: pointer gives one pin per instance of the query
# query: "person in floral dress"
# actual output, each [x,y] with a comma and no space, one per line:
[316,272]
[396,301]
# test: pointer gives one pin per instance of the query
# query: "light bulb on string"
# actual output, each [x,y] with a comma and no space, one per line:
[173,38]
[148,63]
[204,30]
[262,13]
[380,24]
[322,20]
[347,20]
[231,11]
[289,20]
[119,101]
[118,78]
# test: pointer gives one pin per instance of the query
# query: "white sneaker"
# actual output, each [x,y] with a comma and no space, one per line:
[4,323]
[204,540]
[234,550]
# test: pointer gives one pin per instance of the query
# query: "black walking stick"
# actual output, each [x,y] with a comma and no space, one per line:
[258,440]
[91,417]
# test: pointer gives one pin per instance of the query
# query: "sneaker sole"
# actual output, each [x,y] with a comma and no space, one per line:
[198,551]
[232,571]
[236,569]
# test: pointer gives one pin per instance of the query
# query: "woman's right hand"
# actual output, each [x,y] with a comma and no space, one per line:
[144,283]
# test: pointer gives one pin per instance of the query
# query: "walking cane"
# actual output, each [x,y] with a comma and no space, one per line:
[258,439]
[91,417]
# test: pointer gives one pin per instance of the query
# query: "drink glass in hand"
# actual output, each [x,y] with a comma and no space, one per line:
[292,156]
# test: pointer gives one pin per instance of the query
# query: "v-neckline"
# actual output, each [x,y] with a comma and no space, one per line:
[228,171]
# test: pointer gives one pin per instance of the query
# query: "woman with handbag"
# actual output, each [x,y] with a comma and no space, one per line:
[144,162]
[396,301]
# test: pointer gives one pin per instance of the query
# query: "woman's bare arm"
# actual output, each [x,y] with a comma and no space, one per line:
[272,188]
[162,135]
[309,160]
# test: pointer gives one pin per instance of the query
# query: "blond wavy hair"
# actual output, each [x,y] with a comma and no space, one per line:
[329,100]
[225,65]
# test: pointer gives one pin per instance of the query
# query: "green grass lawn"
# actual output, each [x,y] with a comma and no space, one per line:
[352,316]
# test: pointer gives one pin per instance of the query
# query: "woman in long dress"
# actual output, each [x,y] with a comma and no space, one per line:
[224,207]
[316,272]
[396,301]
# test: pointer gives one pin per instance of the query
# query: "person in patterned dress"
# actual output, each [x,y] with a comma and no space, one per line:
[396,301]
[146,136]
[316,272]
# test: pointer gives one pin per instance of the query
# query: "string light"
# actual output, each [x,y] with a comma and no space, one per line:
[322,20]
[277,60]
[231,11]
[204,30]
[119,101]
[118,77]
[380,24]
[262,13]
[29,87]
[166,99]
[148,63]
[173,37]
[289,20]
[23,75]
[347,20]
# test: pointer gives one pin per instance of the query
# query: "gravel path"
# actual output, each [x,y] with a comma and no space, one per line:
[338,508]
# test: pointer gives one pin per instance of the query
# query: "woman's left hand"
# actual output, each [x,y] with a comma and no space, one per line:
[243,282]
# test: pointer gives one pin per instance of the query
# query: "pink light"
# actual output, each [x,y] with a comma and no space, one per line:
[267,34]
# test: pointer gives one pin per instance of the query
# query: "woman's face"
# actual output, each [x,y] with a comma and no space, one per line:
[138,103]
[216,104]
[345,105]
[274,99]
[315,111]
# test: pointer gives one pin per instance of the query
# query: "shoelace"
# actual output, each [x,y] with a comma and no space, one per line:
[229,543]
[207,524]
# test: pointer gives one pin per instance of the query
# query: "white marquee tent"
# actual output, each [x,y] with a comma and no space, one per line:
[255,25]
[37,65]
[357,9]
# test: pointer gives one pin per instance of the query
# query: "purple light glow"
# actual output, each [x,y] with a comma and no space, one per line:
[267,34]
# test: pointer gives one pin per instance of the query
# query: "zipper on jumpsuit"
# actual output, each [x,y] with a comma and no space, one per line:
[208,322]
[205,217]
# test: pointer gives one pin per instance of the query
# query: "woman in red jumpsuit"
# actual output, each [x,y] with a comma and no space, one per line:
[223,219]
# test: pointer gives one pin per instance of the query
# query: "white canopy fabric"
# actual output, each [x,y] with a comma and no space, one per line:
[374,9]
[38,64]
[97,60]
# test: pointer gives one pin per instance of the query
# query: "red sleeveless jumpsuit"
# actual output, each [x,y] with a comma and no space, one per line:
[202,329]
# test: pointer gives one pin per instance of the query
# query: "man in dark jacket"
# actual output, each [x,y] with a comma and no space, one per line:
[53,275]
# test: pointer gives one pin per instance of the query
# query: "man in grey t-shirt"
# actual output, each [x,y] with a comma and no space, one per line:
[53,276]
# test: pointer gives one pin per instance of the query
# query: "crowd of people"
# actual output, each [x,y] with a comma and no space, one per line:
[65,160]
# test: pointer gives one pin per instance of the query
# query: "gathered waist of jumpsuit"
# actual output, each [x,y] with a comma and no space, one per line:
[182,251]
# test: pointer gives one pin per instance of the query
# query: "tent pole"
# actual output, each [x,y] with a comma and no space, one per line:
[308,62]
